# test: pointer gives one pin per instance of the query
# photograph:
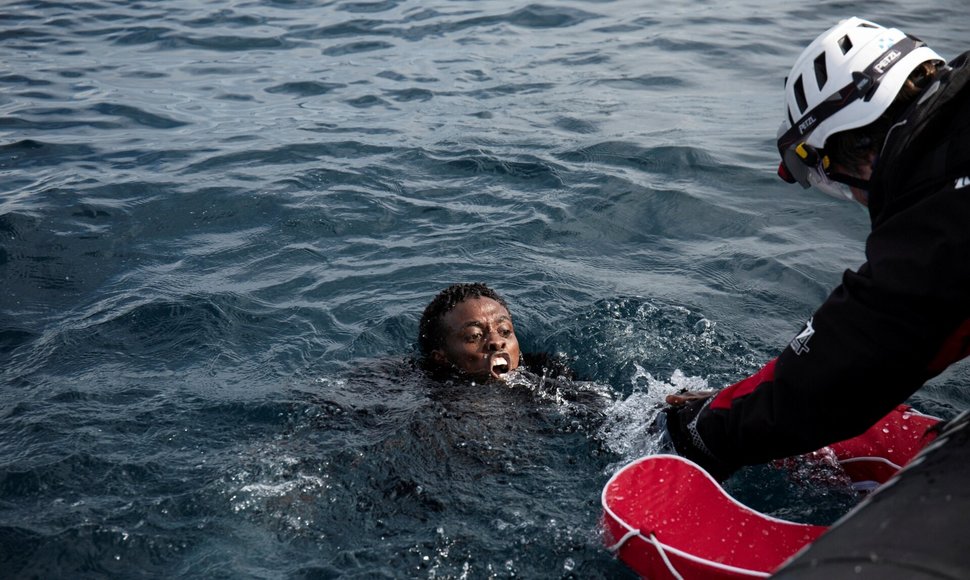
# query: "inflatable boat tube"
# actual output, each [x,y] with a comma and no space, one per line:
[665,517]
[916,526]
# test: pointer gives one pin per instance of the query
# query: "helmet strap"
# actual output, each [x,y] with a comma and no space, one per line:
[850,180]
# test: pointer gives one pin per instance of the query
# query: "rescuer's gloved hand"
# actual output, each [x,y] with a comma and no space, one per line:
[682,413]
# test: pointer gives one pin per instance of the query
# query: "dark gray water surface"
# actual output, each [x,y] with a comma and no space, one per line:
[219,222]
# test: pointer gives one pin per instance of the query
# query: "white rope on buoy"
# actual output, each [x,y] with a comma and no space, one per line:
[653,540]
[616,547]
[666,560]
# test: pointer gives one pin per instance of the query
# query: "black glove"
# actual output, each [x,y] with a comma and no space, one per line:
[687,441]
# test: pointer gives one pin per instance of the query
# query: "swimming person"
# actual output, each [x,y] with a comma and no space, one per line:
[467,330]
[875,116]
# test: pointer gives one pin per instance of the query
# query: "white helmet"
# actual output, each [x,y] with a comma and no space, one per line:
[845,79]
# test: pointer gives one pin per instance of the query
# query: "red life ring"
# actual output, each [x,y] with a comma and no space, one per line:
[665,517]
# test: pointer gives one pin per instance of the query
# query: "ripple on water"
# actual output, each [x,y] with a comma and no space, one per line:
[219,223]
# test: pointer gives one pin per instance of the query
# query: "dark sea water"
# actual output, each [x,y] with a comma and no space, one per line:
[220,221]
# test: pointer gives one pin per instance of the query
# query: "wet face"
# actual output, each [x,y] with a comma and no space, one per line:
[479,339]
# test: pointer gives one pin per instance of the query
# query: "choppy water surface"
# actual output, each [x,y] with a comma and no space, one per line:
[220,221]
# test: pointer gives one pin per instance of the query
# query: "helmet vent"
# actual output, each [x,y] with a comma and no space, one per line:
[845,44]
[821,72]
[800,96]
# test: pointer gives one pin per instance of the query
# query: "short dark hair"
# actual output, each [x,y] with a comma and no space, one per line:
[431,331]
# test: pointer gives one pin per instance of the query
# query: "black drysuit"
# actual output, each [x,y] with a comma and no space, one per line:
[899,320]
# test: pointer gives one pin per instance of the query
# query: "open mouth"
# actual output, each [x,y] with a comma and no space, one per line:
[500,364]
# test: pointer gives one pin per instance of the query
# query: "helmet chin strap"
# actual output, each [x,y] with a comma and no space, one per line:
[850,180]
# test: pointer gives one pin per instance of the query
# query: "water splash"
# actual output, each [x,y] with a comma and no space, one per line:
[628,429]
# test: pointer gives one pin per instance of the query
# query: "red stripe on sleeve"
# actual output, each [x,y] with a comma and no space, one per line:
[724,399]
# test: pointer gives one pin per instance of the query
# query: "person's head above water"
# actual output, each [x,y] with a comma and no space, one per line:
[467,328]
[842,96]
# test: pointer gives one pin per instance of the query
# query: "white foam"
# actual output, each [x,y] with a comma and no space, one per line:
[625,430]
